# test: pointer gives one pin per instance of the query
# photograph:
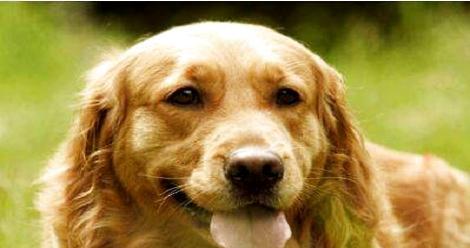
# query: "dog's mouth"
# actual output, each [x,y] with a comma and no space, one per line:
[253,225]
[175,192]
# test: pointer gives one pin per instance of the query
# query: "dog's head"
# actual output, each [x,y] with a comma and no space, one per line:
[218,118]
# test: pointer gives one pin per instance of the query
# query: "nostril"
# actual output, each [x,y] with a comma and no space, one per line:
[273,172]
[238,173]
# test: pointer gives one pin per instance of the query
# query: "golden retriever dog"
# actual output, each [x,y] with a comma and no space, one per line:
[233,135]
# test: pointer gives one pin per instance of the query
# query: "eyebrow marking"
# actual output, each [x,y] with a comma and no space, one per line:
[273,73]
[201,73]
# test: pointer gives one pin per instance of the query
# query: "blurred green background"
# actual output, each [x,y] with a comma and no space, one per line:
[406,67]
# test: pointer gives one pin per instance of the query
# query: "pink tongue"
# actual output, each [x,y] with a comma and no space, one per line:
[252,227]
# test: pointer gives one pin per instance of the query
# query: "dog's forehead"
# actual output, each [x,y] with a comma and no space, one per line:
[223,33]
[224,50]
[239,44]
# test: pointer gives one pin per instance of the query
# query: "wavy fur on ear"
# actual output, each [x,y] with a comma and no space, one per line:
[351,211]
[82,196]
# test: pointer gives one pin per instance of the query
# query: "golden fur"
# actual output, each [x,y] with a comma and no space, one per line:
[105,187]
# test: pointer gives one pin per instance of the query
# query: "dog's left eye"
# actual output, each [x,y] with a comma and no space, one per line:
[185,96]
[287,97]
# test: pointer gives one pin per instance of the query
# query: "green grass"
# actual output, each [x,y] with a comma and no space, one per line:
[42,60]
[410,91]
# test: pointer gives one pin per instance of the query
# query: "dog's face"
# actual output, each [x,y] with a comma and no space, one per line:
[219,117]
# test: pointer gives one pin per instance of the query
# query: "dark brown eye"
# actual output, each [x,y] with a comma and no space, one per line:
[287,97]
[185,96]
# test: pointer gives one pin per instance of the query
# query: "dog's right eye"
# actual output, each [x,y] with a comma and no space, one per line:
[185,97]
[287,97]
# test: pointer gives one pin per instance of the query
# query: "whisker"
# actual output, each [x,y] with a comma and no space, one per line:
[339,178]
[159,177]
[184,204]
[169,193]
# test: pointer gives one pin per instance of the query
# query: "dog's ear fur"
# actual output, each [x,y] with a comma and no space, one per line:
[89,179]
[350,197]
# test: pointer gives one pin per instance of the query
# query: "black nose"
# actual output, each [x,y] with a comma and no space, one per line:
[254,170]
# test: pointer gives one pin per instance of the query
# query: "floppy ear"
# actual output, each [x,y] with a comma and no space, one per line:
[351,192]
[89,177]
